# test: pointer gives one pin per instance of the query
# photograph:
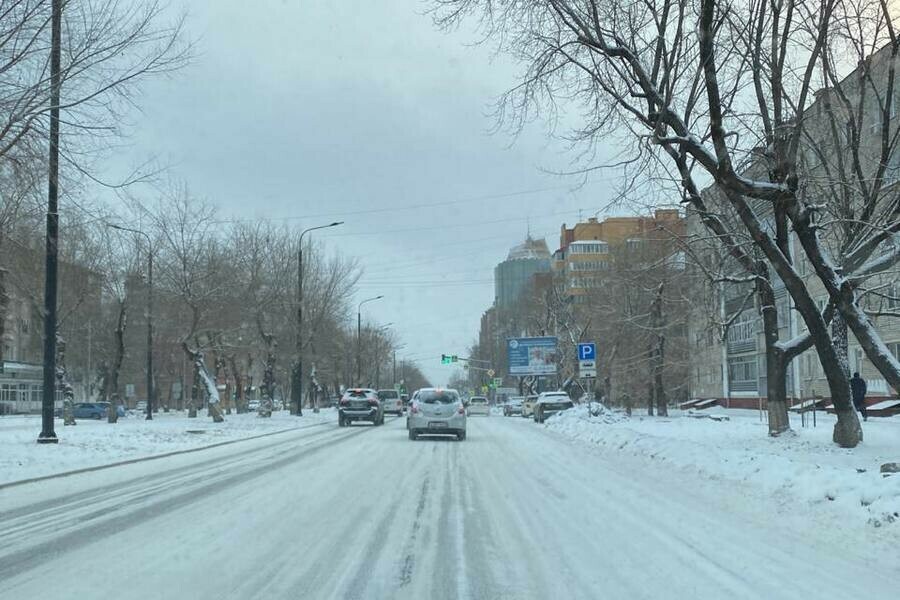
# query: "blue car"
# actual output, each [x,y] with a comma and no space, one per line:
[95,410]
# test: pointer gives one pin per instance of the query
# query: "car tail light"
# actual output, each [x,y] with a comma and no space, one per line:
[413,409]
[461,410]
[345,401]
[373,402]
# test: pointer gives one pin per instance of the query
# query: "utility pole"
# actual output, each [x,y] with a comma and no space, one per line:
[297,375]
[48,435]
[149,416]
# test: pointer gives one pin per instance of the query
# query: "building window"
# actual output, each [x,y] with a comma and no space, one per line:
[742,333]
[589,248]
[894,347]
[742,374]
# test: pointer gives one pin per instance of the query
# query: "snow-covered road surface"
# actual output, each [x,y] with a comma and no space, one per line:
[516,511]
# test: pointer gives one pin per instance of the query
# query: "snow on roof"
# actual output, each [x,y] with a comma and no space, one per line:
[530,248]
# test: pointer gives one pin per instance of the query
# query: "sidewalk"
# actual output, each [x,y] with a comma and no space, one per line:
[93,443]
[802,466]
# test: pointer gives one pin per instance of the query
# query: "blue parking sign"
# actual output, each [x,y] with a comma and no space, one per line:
[587,351]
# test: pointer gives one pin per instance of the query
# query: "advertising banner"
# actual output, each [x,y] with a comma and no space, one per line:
[532,355]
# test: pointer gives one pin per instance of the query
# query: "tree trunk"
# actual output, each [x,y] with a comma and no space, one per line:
[776,369]
[4,309]
[112,392]
[203,378]
[841,341]
[62,377]
[847,432]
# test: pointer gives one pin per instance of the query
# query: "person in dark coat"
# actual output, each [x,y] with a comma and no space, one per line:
[858,388]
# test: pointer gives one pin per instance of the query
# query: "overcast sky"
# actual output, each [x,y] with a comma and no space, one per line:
[317,110]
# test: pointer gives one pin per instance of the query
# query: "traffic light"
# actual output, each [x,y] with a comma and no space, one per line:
[446,359]
[454,358]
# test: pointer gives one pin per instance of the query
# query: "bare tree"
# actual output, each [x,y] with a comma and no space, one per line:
[191,269]
[711,91]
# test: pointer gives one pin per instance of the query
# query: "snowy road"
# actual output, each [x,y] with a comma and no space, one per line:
[513,512]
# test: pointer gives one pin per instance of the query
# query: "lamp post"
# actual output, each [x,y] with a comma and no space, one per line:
[297,383]
[48,399]
[358,332]
[381,329]
[149,416]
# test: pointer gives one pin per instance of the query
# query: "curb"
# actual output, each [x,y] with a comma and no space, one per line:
[132,461]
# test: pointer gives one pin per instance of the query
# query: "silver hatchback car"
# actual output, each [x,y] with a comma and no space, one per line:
[436,411]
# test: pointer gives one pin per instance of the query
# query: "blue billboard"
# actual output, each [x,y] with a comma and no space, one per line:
[532,355]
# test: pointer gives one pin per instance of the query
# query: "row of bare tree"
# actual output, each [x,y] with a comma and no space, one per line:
[774,123]
[225,295]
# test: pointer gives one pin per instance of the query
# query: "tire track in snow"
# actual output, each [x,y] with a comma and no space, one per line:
[409,551]
[129,514]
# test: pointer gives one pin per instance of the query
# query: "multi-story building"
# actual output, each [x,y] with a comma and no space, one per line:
[513,275]
[586,250]
[733,369]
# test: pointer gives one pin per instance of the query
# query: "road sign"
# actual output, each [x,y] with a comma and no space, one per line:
[587,368]
[490,372]
[587,351]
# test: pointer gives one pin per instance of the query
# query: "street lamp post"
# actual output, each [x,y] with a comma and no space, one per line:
[358,338]
[381,329]
[149,416]
[48,434]
[297,383]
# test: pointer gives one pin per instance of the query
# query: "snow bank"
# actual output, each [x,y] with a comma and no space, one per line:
[802,466]
[94,443]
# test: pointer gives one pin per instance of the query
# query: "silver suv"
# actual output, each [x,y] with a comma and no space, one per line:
[436,411]
[360,404]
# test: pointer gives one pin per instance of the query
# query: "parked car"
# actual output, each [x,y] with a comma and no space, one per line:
[391,402]
[436,411]
[360,404]
[478,405]
[513,406]
[141,406]
[405,399]
[253,405]
[550,403]
[94,410]
[528,406]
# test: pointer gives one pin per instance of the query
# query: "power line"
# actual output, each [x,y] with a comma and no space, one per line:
[444,226]
[370,211]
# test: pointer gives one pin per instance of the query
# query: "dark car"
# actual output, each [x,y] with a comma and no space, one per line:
[360,404]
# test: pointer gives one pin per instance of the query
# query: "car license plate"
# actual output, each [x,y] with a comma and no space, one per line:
[437,424]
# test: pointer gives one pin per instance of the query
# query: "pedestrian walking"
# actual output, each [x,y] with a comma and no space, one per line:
[858,388]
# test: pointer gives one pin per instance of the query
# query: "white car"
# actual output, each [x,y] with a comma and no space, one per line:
[391,402]
[436,411]
[528,406]
[478,405]
[253,405]
[550,403]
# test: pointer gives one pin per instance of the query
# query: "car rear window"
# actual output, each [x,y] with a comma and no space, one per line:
[435,397]
[478,401]
[388,395]
[356,394]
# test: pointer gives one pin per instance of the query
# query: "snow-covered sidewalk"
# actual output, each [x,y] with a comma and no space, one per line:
[95,443]
[804,466]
